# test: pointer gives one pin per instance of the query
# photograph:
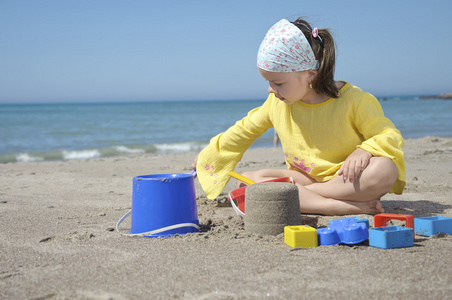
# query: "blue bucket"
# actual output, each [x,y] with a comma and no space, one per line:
[164,205]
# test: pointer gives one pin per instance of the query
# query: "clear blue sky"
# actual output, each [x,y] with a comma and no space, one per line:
[80,50]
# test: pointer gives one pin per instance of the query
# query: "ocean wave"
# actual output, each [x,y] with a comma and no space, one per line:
[179,147]
[83,154]
[124,149]
[118,150]
[25,157]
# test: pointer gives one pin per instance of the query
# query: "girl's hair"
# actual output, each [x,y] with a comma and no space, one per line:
[324,51]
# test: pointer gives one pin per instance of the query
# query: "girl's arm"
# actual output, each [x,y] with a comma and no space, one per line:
[382,138]
[226,149]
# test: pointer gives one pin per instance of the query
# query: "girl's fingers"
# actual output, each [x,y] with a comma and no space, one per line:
[358,169]
[365,164]
[345,171]
[340,172]
[351,173]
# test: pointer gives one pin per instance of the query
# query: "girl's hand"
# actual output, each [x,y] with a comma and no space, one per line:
[354,164]
[193,165]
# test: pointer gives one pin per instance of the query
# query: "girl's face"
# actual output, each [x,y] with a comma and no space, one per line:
[289,87]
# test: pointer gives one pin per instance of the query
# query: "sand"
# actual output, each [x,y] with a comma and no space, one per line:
[57,239]
[271,206]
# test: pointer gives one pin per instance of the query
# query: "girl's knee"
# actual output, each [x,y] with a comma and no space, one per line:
[250,174]
[259,175]
[382,172]
[269,174]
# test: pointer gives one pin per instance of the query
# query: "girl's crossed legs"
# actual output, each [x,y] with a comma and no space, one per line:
[336,197]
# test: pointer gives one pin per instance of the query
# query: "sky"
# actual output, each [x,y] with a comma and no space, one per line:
[54,51]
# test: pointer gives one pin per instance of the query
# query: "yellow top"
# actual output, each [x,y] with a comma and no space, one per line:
[316,138]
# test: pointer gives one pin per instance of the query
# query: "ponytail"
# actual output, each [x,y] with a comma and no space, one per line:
[324,50]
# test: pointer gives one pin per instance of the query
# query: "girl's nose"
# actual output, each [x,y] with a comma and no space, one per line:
[271,90]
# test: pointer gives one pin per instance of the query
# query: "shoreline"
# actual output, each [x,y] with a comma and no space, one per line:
[447,96]
[123,152]
[58,241]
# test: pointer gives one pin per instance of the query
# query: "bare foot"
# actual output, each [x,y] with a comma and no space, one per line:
[334,207]
[372,207]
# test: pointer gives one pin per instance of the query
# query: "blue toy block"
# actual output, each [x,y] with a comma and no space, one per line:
[391,237]
[428,226]
[358,220]
[365,221]
[343,231]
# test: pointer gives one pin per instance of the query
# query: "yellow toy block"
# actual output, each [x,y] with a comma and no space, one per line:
[300,236]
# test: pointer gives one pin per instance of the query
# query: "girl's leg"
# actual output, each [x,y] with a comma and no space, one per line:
[335,197]
[269,174]
[361,196]
[375,181]
[312,203]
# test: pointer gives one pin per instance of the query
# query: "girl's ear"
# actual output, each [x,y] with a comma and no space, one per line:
[312,74]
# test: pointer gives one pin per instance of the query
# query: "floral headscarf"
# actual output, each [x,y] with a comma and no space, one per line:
[286,49]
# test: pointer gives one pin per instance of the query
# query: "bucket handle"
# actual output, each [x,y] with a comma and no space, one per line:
[153,231]
[234,206]
[236,209]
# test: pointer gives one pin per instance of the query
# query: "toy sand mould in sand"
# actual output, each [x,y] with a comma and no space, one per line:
[270,206]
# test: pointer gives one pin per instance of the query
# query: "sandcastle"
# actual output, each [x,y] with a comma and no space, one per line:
[270,206]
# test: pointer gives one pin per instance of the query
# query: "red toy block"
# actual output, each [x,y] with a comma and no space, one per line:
[381,219]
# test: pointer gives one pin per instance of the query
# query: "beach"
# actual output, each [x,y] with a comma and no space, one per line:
[57,237]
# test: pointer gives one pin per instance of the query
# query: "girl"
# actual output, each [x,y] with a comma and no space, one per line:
[340,149]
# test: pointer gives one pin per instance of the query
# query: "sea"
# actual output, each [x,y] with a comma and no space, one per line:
[61,132]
